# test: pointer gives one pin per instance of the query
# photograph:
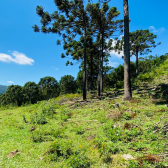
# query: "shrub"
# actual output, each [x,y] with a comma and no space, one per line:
[60,149]
[80,160]
[38,119]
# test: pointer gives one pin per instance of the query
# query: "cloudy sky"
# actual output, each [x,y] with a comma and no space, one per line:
[28,56]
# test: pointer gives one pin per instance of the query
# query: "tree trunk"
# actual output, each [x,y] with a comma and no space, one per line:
[84,75]
[99,75]
[137,72]
[101,79]
[91,73]
[127,82]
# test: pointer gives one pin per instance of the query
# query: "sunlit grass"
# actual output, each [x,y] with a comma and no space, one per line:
[85,134]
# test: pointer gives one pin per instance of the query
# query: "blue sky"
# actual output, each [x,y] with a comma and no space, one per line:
[28,56]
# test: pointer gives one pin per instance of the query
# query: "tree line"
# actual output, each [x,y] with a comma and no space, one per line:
[48,87]
[31,93]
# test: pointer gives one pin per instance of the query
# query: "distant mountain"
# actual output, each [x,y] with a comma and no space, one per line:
[3,89]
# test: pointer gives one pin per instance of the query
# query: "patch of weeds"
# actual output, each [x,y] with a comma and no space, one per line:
[80,130]
[62,99]
[113,133]
[103,120]
[19,126]
[139,146]
[149,114]
[38,118]
[109,148]
[37,137]
[48,111]
[64,115]
[60,150]
[24,119]
[99,140]
[70,114]
[153,137]
[47,135]
[133,164]
[129,135]
[126,116]
[111,106]
[80,160]
[76,105]
[55,133]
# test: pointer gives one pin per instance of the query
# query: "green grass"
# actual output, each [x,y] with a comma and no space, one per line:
[87,134]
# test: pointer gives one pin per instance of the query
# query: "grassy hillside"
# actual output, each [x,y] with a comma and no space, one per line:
[3,89]
[67,132]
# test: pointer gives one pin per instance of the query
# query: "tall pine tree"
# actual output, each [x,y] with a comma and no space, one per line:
[104,24]
[69,20]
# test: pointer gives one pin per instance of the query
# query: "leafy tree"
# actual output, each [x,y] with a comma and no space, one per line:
[48,87]
[127,81]
[141,42]
[67,84]
[31,92]
[71,20]
[14,94]
[5,99]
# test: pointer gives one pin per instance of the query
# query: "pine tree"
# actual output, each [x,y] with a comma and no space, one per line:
[70,19]
[104,25]
[141,42]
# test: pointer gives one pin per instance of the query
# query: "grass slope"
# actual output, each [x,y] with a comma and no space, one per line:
[66,132]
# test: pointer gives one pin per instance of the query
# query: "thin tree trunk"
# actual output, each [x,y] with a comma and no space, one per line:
[99,76]
[91,72]
[127,82]
[84,75]
[101,65]
[137,72]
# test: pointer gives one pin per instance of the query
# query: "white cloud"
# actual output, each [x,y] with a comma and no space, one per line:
[133,58]
[154,30]
[55,68]
[18,58]
[115,53]
[120,37]
[10,81]
[113,64]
